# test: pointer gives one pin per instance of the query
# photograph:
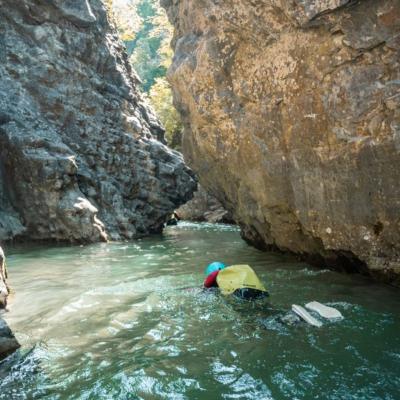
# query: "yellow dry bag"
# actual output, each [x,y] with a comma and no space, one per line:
[237,277]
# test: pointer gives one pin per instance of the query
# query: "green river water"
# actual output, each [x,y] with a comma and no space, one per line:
[129,321]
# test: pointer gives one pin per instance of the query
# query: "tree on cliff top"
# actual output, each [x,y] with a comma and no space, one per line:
[126,17]
[147,33]
[161,99]
[150,49]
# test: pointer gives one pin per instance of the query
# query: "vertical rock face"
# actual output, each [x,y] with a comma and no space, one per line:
[8,343]
[79,159]
[292,120]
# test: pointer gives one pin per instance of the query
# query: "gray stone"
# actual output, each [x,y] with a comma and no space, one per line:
[204,207]
[79,146]
[8,343]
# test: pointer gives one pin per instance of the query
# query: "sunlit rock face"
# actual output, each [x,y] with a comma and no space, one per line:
[79,155]
[292,121]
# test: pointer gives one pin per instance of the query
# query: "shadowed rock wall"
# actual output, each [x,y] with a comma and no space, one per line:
[204,207]
[292,119]
[79,155]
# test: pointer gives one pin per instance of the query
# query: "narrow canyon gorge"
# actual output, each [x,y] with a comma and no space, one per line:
[82,155]
[291,126]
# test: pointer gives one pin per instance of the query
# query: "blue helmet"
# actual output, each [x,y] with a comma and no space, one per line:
[214,266]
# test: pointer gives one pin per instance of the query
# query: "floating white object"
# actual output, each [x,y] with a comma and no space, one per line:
[304,314]
[324,311]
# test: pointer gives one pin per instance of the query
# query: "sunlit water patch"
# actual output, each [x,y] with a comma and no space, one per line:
[130,321]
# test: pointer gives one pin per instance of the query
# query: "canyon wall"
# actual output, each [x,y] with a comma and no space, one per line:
[79,155]
[292,120]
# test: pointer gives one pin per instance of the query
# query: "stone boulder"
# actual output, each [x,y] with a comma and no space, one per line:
[204,207]
[292,119]
[82,157]
[8,343]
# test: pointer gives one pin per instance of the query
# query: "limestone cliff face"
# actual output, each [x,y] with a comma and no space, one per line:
[292,120]
[79,155]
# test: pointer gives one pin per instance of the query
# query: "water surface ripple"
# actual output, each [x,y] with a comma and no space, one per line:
[128,321]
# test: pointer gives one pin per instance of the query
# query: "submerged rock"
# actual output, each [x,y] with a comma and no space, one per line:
[8,343]
[292,119]
[79,155]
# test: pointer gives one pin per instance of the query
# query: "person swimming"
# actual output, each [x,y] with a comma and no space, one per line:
[242,282]
[237,280]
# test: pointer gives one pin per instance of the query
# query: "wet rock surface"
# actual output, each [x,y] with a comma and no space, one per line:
[204,207]
[292,118]
[81,153]
[8,343]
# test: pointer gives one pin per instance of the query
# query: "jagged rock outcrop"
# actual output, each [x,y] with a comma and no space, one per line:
[204,207]
[292,118]
[8,343]
[79,159]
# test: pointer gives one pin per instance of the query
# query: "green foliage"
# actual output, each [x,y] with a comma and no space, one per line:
[147,33]
[123,12]
[161,99]
[149,54]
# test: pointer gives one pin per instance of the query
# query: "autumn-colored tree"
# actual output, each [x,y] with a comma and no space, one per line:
[161,99]
[124,13]
[147,33]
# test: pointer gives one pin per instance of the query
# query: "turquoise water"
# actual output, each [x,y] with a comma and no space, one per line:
[128,321]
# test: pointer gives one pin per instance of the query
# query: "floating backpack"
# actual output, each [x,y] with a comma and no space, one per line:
[241,281]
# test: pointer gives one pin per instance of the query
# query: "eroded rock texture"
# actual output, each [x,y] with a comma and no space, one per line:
[204,208]
[79,159]
[292,120]
[8,343]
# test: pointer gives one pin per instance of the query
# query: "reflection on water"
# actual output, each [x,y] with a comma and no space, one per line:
[129,321]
